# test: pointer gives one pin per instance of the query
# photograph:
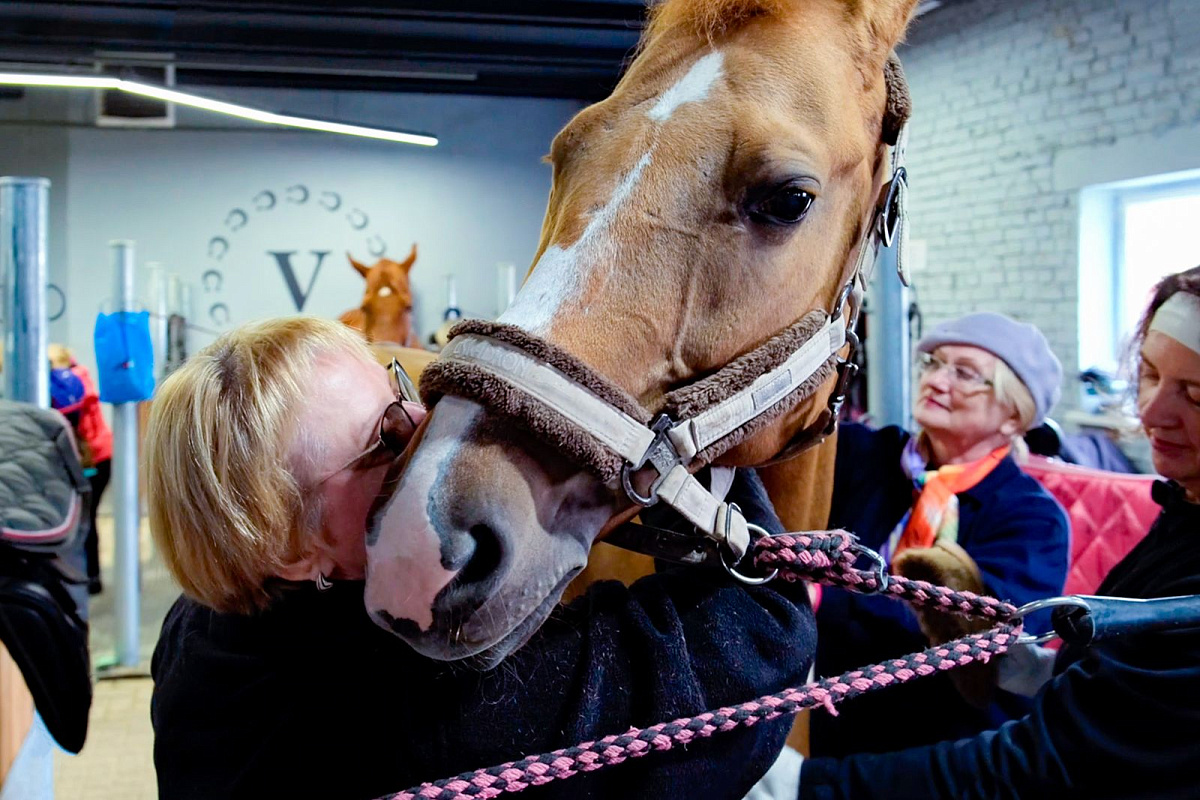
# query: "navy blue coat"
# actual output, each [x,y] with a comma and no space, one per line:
[1013,529]
[310,699]
[1121,720]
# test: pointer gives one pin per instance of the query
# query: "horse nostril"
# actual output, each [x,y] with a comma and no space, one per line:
[486,557]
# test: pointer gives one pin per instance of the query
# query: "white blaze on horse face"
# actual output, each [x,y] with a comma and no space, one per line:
[404,565]
[561,273]
[558,276]
[691,88]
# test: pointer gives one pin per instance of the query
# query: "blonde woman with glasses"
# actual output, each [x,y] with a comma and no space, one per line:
[949,504]
[266,453]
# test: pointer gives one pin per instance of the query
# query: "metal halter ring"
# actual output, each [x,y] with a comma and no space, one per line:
[632,493]
[839,303]
[847,368]
[1038,605]
[756,533]
[660,455]
[889,214]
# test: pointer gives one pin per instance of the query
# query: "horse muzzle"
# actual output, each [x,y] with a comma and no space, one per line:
[479,539]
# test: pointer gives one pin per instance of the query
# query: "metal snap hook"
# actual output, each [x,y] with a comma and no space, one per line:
[879,572]
[1047,602]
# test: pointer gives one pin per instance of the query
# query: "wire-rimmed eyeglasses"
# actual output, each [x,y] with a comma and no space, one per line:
[396,426]
[961,375]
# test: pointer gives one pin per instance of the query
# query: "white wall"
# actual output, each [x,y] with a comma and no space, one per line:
[476,200]
[1017,106]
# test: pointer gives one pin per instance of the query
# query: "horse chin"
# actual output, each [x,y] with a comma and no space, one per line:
[492,657]
[486,638]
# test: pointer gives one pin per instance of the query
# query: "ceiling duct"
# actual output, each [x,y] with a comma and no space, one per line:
[118,109]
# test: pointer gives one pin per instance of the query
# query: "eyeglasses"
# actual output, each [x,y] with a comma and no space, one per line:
[402,384]
[962,376]
[396,427]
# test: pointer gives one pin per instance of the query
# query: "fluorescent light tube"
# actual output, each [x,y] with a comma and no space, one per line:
[216,106]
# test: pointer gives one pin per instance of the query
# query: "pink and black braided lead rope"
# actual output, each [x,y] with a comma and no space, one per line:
[826,557]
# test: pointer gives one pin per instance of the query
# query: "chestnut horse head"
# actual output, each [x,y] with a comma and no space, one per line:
[386,311]
[718,196]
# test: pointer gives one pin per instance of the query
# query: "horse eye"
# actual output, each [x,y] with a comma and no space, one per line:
[785,206]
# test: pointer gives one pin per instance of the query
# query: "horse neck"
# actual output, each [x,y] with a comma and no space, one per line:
[801,488]
[387,326]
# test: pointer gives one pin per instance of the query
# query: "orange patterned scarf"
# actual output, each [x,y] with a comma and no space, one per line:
[934,515]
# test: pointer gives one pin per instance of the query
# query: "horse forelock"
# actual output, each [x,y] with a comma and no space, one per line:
[884,23]
[709,20]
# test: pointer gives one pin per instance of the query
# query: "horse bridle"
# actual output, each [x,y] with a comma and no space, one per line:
[559,398]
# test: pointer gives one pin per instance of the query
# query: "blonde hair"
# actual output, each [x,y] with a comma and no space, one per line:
[60,357]
[227,510]
[1011,391]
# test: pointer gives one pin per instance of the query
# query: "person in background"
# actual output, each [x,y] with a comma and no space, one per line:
[95,441]
[1118,719]
[951,505]
[266,453]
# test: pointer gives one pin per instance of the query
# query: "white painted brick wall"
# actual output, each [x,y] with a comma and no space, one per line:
[1000,86]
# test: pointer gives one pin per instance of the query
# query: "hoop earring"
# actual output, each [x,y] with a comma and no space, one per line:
[323,583]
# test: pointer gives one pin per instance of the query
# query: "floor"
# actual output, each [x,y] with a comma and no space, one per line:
[158,593]
[117,761]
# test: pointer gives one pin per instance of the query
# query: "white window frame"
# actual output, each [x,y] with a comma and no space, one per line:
[1101,260]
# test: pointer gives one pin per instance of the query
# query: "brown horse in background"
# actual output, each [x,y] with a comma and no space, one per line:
[385,314]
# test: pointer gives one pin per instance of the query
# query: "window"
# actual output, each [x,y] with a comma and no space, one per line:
[1131,235]
[1158,236]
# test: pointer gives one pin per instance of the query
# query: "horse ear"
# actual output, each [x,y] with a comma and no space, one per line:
[362,268]
[412,257]
[884,23]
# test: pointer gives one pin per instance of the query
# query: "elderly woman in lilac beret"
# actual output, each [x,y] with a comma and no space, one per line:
[947,503]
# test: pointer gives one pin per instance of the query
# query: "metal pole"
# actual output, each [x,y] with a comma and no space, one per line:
[158,317]
[23,219]
[889,346]
[127,507]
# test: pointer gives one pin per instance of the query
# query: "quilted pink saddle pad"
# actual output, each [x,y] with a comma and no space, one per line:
[1110,512]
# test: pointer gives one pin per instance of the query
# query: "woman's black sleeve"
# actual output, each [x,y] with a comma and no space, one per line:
[1117,723]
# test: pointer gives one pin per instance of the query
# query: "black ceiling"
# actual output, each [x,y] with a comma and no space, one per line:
[558,48]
